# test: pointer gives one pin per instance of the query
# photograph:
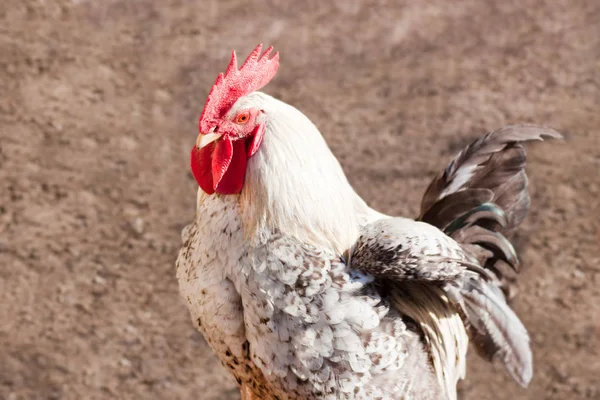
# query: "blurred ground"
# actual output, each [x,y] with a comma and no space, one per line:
[98,112]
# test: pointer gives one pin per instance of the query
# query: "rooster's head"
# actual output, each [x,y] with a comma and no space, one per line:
[232,130]
[274,157]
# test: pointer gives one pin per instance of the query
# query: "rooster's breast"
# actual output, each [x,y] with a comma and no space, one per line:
[212,249]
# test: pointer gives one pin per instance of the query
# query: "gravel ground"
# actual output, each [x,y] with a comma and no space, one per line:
[99,109]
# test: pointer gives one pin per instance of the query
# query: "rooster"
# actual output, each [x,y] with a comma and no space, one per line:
[304,292]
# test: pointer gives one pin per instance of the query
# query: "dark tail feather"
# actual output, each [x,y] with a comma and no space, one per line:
[495,162]
[455,205]
[480,197]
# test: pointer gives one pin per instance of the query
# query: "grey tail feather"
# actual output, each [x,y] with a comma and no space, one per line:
[496,330]
[479,198]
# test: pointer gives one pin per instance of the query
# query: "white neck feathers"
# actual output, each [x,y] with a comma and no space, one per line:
[294,184]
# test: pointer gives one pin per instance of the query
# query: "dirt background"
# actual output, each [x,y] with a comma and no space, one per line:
[98,110]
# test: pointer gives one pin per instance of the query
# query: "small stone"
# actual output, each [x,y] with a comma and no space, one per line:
[538,337]
[99,280]
[138,225]
[162,96]
[128,143]
[57,125]
[579,274]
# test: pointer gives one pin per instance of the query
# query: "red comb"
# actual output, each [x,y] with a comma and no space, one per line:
[255,73]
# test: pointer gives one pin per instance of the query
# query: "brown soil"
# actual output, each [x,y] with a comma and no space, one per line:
[98,112]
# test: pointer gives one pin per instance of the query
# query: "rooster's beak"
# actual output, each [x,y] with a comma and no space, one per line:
[205,139]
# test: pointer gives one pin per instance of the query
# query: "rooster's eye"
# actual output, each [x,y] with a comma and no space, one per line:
[242,118]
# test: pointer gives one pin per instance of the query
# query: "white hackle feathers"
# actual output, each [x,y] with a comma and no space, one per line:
[294,183]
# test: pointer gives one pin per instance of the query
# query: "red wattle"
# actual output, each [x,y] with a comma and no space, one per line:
[201,162]
[220,166]
[233,179]
[221,158]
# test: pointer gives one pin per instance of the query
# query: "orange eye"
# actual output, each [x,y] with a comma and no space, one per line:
[242,118]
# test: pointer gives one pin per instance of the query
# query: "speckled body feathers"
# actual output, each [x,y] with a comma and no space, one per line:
[292,321]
